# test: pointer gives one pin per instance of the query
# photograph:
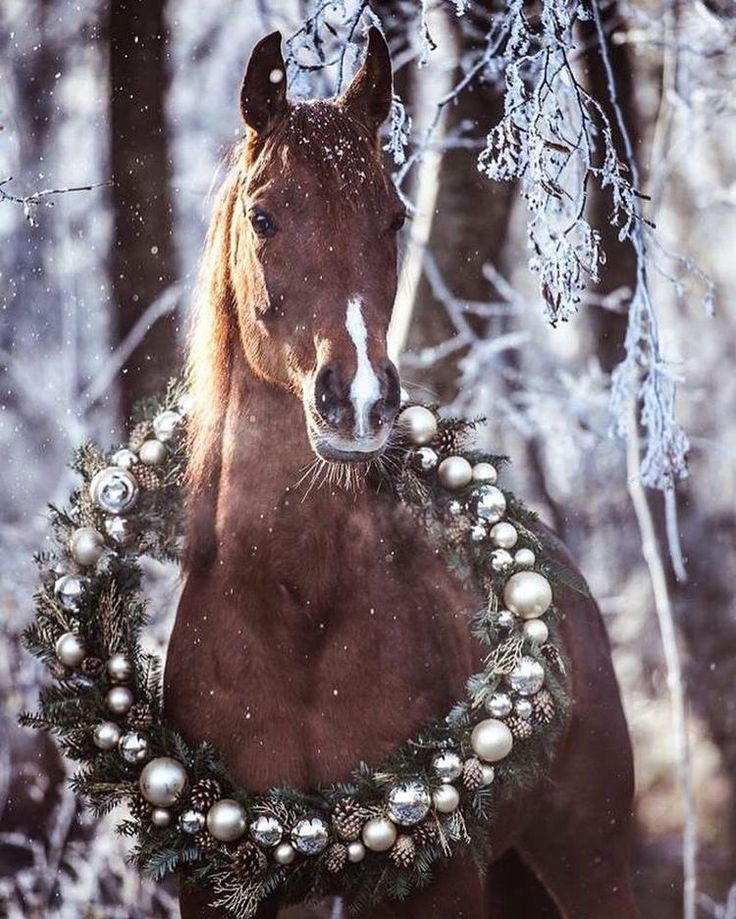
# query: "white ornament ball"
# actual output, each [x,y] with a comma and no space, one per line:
[124,458]
[119,668]
[152,453]
[163,781]
[70,649]
[133,747]
[455,472]
[379,834]
[418,423]
[504,535]
[119,700]
[356,852]
[536,630]
[446,799]
[165,425]
[86,545]
[160,817]
[284,853]
[485,473]
[528,594]
[525,558]
[491,740]
[226,820]
[106,735]
[488,774]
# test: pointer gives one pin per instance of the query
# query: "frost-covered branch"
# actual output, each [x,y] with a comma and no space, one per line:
[31,203]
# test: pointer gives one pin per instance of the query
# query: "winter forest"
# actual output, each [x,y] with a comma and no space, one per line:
[569,171]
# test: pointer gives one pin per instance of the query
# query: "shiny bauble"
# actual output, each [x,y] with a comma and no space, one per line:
[455,507]
[160,817]
[447,766]
[491,740]
[527,677]
[119,700]
[68,590]
[525,558]
[528,594]
[284,853]
[191,822]
[454,473]
[485,473]
[124,458]
[70,649]
[488,773]
[418,424]
[536,631]
[310,836]
[504,535]
[165,425]
[152,453]
[163,781]
[133,747]
[356,852]
[498,704]
[86,545]
[266,831]
[478,532]
[119,668]
[119,529]
[446,799]
[114,490]
[185,404]
[408,803]
[226,820]
[379,834]
[488,503]
[424,459]
[505,620]
[501,560]
[106,735]
[523,708]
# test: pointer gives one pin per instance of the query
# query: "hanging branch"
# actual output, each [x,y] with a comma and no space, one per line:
[31,203]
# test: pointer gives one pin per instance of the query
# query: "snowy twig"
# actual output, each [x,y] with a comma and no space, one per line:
[31,202]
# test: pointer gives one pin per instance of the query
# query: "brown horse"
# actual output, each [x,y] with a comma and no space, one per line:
[318,628]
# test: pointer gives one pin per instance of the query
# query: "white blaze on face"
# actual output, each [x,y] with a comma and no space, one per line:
[365,390]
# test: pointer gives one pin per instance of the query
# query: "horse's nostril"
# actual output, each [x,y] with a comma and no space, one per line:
[392,398]
[327,394]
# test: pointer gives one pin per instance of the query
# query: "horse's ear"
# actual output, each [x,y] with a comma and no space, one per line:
[263,93]
[369,95]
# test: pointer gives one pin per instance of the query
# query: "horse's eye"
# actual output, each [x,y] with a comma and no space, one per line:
[397,223]
[263,224]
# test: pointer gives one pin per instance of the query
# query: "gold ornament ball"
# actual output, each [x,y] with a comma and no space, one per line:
[504,535]
[446,799]
[284,853]
[70,649]
[379,834]
[418,423]
[163,781]
[486,473]
[356,852]
[152,453]
[536,630]
[160,817]
[86,545]
[528,594]
[525,558]
[226,820]
[491,740]
[106,735]
[119,668]
[455,472]
[119,700]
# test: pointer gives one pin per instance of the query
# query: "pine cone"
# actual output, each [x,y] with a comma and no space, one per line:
[336,858]
[140,808]
[146,477]
[204,794]
[140,717]
[425,833]
[92,666]
[348,819]
[140,433]
[448,440]
[87,514]
[248,861]
[553,656]
[404,852]
[205,842]
[544,706]
[472,774]
[519,727]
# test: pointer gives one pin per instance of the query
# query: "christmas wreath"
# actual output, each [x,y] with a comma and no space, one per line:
[380,834]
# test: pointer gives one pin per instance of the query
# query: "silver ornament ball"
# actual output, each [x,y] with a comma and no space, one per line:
[488,774]
[106,735]
[226,820]
[408,803]
[527,677]
[152,453]
[447,766]
[485,473]
[266,831]
[536,631]
[70,649]
[133,747]
[525,558]
[163,781]
[160,817]
[446,799]
[114,490]
[86,545]
[504,535]
[523,708]
[478,532]
[119,700]
[284,853]
[454,473]
[488,503]
[499,704]
[185,403]
[491,740]
[505,619]
[418,424]
[165,425]
[528,594]
[124,458]
[454,507]
[356,852]
[119,529]
[379,834]
[119,668]
[309,836]
[68,590]
[424,459]
[501,560]
[191,822]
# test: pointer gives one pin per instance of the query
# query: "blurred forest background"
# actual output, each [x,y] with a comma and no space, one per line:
[137,98]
